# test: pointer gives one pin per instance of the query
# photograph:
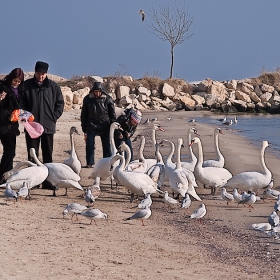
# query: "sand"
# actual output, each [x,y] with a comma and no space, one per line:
[37,243]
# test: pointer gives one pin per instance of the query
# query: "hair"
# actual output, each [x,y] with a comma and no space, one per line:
[16,73]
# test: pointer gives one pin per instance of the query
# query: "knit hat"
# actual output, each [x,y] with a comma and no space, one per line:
[41,67]
[136,115]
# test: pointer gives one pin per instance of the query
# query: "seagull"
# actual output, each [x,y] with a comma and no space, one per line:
[89,198]
[277,204]
[186,203]
[199,213]
[10,194]
[235,120]
[222,120]
[237,196]
[168,118]
[272,194]
[169,200]
[143,14]
[262,226]
[192,120]
[142,214]
[273,219]
[74,209]
[147,201]
[228,122]
[146,121]
[227,196]
[94,214]
[249,199]
[23,191]
[154,119]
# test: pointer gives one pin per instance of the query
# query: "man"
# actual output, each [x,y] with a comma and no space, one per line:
[43,98]
[128,121]
[98,113]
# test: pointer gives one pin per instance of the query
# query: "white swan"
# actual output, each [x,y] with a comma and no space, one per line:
[178,180]
[62,176]
[220,160]
[33,175]
[137,183]
[9,173]
[210,176]
[252,180]
[157,171]
[73,160]
[191,164]
[102,169]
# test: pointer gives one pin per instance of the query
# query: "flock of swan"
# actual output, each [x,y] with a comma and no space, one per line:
[145,176]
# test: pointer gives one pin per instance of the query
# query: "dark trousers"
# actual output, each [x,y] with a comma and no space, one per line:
[127,141]
[90,146]
[46,146]
[9,151]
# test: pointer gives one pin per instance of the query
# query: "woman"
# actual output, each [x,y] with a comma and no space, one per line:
[10,91]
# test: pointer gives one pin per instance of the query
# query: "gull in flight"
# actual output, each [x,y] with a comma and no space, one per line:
[94,214]
[143,14]
[199,213]
[142,214]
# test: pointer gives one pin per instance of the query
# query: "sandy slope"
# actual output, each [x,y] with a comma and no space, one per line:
[37,243]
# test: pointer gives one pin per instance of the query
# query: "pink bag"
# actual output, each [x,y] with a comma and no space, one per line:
[34,129]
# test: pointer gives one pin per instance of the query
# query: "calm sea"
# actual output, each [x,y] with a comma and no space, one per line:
[256,127]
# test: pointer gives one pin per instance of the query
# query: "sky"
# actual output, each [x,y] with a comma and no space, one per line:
[231,39]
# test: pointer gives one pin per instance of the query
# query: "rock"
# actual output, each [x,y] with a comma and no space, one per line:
[167,90]
[242,96]
[266,88]
[265,96]
[122,91]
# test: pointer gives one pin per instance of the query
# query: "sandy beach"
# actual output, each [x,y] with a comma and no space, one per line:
[37,243]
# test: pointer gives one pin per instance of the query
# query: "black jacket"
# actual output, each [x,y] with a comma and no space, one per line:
[97,113]
[44,101]
[7,106]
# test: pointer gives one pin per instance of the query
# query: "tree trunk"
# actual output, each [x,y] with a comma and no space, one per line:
[172,62]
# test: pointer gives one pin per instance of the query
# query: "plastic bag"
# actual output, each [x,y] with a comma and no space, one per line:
[34,129]
[21,115]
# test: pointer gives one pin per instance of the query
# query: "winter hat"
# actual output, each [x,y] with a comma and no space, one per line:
[41,67]
[136,115]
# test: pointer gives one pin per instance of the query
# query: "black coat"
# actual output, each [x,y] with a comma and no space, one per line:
[97,113]
[7,106]
[44,101]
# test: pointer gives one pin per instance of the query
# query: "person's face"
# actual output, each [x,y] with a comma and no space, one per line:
[40,77]
[16,82]
[132,122]
[97,93]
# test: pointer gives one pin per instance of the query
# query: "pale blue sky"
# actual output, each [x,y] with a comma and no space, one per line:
[232,39]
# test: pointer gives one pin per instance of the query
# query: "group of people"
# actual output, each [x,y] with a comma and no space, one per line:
[43,98]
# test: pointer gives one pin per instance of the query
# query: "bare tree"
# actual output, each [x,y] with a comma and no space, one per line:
[173,26]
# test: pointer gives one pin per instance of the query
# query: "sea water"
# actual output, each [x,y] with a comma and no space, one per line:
[256,127]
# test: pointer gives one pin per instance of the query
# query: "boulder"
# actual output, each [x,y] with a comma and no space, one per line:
[122,91]
[167,90]
[242,96]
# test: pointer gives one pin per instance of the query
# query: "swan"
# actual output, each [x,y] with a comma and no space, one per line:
[190,165]
[210,176]
[102,169]
[252,180]
[170,166]
[9,173]
[33,175]
[178,179]
[73,160]
[137,183]
[157,171]
[62,176]
[220,160]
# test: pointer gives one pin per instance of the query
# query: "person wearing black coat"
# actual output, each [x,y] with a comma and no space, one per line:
[43,98]
[10,93]
[97,115]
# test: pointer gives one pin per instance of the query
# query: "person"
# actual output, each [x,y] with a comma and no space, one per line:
[128,121]
[43,98]
[97,115]
[10,93]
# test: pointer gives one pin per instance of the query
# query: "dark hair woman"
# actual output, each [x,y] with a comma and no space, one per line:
[10,91]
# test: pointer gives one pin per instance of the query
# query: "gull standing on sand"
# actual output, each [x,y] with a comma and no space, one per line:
[141,215]
[186,203]
[143,14]
[228,197]
[199,213]
[23,191]
[237,196]
[192,120]
[277,204]
[10,194]
[94,214]
[73,209]
[89,198]
[169,200]
[222,120]
[272,194]
[273,219]
[147,201]
[249,199]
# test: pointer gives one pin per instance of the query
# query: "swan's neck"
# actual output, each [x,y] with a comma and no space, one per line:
[265,170]
[121,164]
[153,137]
[216,145]
[193,157]
[36,160]
[200,155]
[141,149]
[128,155]
[172,150]
[178,163]
[158,154]
[72,143]
[112,142]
